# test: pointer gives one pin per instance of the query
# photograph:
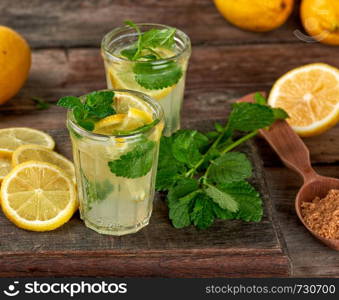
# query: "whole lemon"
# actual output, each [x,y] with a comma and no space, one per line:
[15,62]
[321,20]
[255,15]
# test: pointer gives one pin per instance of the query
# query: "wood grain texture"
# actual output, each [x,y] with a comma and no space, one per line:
[189,264]
[75,23]
[229,248]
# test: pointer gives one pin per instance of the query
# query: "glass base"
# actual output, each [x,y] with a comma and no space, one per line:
[117,231]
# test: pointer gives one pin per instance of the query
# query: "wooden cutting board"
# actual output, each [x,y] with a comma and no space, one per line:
[229,248]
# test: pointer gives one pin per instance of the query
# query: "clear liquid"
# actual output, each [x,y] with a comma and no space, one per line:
[171,101]
[110,204]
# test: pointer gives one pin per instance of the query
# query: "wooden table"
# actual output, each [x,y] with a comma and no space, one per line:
[226,63]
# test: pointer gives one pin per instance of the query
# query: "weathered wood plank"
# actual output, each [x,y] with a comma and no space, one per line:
[77,23]
[308,256]
[160,264]
[228,248]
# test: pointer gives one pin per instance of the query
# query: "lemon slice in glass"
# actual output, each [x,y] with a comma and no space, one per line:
[107,125]
[122,77]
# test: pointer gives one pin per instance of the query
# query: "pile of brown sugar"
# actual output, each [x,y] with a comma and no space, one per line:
[322,215]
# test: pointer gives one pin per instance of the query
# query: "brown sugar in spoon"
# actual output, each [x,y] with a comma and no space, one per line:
[295,155]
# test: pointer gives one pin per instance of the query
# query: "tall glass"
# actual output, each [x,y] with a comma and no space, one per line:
[112,204]
[119,70]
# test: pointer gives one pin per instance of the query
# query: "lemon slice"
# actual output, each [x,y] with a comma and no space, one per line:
[38,196]
[107,125]
[310,95]
[122,77]
[5,166]
[12,138]
[141,115]
[123,103]
[38,153]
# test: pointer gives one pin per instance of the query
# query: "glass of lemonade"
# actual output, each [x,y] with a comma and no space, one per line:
[116,163]
[158,71]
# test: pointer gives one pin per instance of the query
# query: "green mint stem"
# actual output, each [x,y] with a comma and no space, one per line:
[227,149]
[198,164]
[153,52]
[240,141]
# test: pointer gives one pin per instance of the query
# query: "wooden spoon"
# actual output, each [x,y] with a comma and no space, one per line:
[295,155]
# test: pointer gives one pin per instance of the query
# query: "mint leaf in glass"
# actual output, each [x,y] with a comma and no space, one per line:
[100,104]
[158,38]
[135,163]
[156,75]
[152,71]
[70,102]
[129,53]
[96,106]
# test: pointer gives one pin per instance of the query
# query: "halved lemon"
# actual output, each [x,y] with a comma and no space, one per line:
[5,166]
[38,153]
[38,196]
[122,77]
[310,95]
[12,138]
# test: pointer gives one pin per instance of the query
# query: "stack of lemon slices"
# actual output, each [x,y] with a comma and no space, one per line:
[38,189]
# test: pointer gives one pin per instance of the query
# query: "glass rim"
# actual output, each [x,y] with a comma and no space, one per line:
[108,38]
[135,134]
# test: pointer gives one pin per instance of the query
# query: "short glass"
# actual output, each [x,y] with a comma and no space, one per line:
[119,70]
[111,204]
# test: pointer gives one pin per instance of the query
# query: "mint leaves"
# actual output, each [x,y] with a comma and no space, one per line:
[96,106]
[250,116]
[135,163]
[229,167]
[96,191]
[204,180]
[157,75]
[40,103]
[151,70]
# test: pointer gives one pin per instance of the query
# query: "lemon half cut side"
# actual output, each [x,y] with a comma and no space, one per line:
[310,95]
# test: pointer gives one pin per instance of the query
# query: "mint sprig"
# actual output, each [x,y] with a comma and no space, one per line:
[204,179]
[151,71]
[96,106]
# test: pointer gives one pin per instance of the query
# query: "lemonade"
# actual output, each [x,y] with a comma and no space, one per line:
[152,59]
[116,160]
